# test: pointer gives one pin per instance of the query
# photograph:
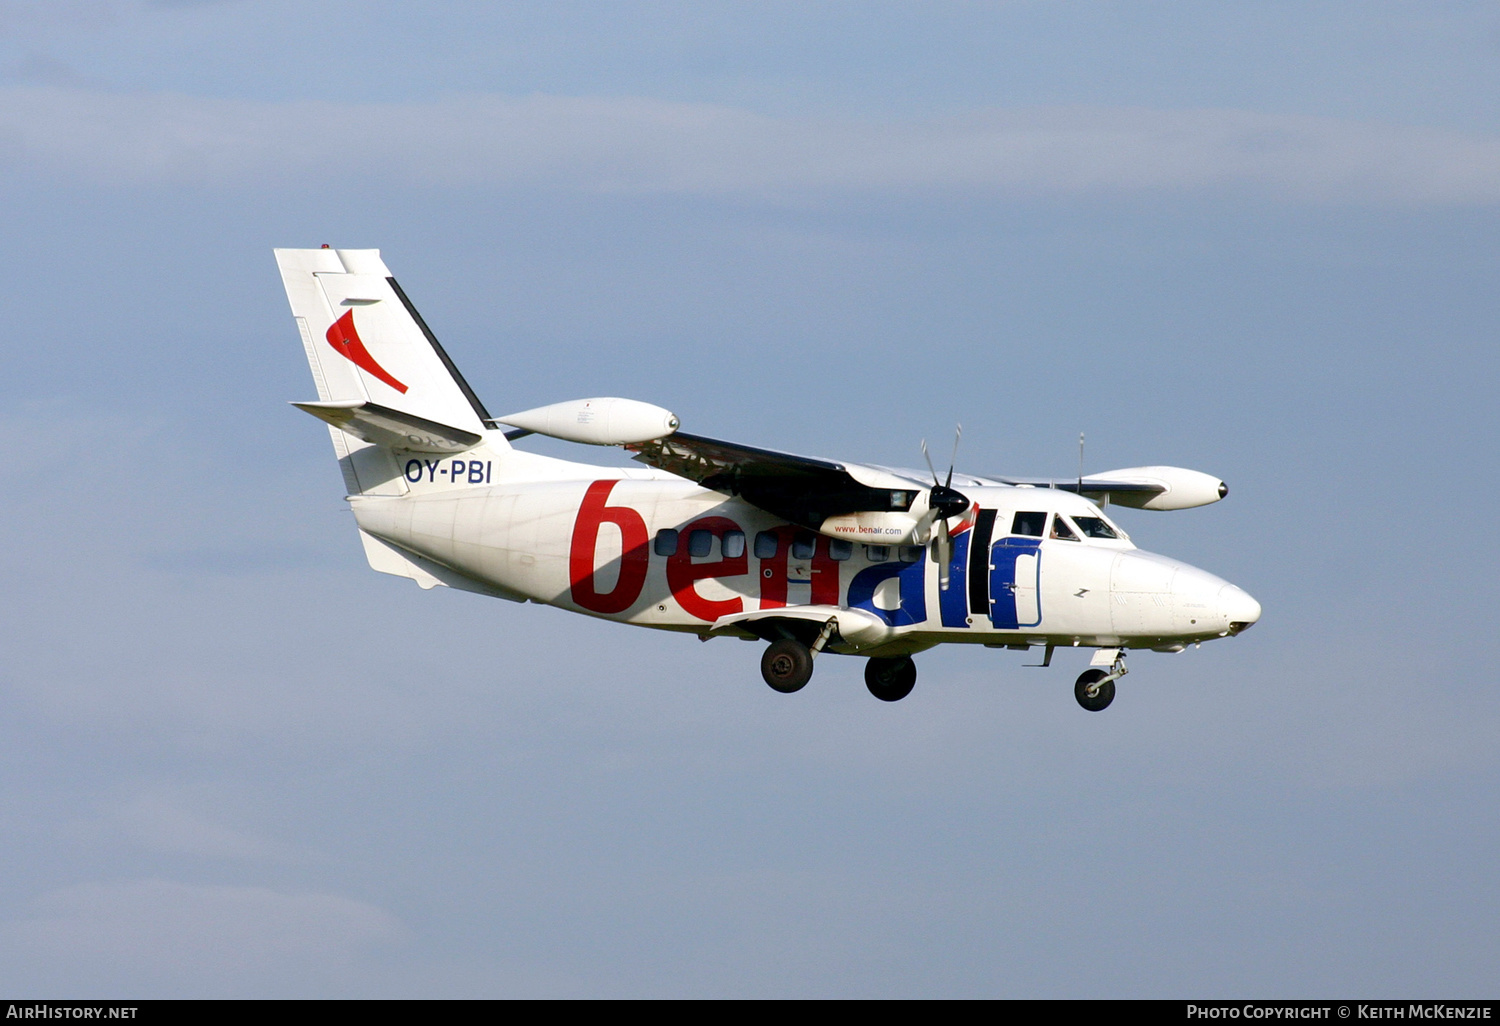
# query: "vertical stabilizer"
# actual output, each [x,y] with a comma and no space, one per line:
[366,343]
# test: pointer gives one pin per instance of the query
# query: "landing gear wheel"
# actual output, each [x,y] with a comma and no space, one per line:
[1091,694]
[787,665]
[890,680]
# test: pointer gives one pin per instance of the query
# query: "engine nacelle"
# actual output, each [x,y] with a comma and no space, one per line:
[874,527]
[602,421]
[1180,488]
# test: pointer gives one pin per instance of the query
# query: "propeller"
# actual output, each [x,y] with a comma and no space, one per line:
[943,501]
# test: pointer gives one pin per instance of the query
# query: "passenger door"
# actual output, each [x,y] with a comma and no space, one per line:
[1015,573]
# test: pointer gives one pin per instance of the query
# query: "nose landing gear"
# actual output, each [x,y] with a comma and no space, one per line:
[1095,688]
[1093,692]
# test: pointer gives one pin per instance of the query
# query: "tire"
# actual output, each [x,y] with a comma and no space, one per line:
[787,665]
[890,680]
[1097,702]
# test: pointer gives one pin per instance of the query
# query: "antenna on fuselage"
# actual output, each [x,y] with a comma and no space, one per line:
[1080,463]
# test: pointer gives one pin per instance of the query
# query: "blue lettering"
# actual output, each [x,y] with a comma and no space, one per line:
[414,465]
[913,602]
[1003,556]
[431,469]
[954,602]
[476,472]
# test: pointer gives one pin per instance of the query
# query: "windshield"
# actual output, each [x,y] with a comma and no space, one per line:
[1095,527]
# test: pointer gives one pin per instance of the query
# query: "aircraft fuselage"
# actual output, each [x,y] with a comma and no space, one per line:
[666,553]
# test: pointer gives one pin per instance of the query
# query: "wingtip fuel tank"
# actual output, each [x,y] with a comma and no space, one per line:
[602,421]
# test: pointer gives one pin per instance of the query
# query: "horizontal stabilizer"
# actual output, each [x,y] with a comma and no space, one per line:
[394,429]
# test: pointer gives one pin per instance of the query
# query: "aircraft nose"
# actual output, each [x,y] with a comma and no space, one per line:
[1238,608]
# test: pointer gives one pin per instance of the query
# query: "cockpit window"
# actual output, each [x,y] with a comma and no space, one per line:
[1029,524]
[1094,527]
[1060,529]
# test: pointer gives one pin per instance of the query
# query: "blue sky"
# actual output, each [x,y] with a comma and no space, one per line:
[1254,239]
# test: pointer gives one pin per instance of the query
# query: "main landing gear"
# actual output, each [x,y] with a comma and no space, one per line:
[787,666]
[1096,686]
[890,680]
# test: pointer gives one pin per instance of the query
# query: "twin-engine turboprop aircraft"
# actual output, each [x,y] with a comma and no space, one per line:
[718,539]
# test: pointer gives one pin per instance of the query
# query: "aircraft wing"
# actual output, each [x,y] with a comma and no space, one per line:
[802,489]
[1141,487]
[1093,487]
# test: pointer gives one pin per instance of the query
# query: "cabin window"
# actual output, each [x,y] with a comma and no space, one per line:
[666,542]
[700,542]
[840,549]
[733,544]
[877,553]
[765,545]
[804,545]
[911,553]
[1032,525]
[1060,529]
[1094,527]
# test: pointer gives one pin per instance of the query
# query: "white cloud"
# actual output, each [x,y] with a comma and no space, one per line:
[165,823]
[221,933]
[630,144]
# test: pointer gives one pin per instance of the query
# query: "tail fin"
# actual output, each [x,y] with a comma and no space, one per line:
[380,373]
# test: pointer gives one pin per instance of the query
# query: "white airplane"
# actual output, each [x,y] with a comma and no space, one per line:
[718,539]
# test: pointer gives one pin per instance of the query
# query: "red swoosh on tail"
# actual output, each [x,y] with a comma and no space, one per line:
[345,341]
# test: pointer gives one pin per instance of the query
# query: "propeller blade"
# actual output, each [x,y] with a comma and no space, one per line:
[943,501]
[954,461]
[942,553]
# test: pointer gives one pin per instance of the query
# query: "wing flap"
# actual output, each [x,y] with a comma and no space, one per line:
[804,490]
